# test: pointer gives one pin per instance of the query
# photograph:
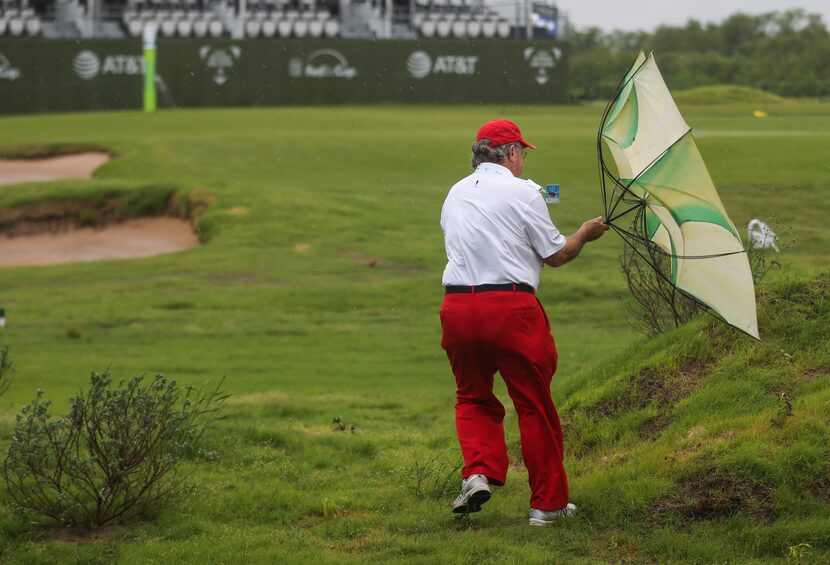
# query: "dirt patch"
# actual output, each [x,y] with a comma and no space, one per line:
[820,487]
[517,465]
[666,388]
[650,386]
[74,536]
[358,257]
[144,237]
[233,278]
[816,373]
[711,494]
[372,262]
[79,166]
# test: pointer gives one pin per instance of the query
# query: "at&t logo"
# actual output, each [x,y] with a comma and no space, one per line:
[420,65]
[88,65]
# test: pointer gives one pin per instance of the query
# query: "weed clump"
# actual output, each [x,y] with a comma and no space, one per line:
[113,456]
[74,331]
[435,479]
[340,425]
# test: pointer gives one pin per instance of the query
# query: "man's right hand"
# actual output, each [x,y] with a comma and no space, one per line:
[589,231]
[594,229]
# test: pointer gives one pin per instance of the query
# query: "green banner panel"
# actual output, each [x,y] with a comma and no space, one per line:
[68,75]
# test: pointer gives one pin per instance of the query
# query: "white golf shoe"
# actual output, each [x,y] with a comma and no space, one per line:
[475,491]
[548,517]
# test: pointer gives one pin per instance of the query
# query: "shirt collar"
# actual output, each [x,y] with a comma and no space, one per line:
[493,168]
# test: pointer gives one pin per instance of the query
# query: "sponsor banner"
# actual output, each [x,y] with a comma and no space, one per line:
[60,75]
[69,75]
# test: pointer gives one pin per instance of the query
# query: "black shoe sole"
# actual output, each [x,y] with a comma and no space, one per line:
[474,503]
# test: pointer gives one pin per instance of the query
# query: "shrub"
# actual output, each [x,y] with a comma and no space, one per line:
[114,455]
[654,303]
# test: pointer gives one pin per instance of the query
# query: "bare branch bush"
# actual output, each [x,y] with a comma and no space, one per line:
[113,456]
[654,303]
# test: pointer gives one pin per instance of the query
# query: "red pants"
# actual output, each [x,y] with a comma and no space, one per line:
[506,332]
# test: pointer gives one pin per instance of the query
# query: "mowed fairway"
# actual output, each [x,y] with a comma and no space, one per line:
[317,296]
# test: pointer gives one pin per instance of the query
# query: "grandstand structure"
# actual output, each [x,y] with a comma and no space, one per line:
[270,19]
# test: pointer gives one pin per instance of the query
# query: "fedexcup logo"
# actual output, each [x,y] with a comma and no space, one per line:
[543,60]
[220,60]
[86,65]
[8,72]
[323,63]
[420,65]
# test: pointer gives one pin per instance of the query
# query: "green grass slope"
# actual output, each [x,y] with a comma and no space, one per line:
[317,295]
[725,94]
[715,444]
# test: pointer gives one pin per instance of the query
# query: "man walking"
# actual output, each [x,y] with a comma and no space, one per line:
[498,233]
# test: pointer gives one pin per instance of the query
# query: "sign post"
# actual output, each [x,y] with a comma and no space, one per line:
[150,67]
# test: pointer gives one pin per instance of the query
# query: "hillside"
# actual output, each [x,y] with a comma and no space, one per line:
[725,94]
[704,430]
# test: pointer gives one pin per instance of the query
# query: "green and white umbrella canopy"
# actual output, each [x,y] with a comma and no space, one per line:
[662,177]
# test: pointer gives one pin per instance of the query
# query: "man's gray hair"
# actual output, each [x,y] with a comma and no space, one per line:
[483,152]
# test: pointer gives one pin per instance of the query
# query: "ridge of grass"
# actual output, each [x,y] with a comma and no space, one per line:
[48,206]
[703,427]
[44,151]
[725,94]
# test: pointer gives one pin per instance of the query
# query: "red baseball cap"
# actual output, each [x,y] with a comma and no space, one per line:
[501,132]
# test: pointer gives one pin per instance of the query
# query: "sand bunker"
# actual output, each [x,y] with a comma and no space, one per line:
[78,166]
[143,237]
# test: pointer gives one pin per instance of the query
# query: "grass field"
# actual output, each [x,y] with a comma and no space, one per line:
[317,295]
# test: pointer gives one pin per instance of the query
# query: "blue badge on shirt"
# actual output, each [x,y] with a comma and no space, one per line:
[552,194]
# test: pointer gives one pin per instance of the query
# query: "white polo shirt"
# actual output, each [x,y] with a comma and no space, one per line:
[496,229]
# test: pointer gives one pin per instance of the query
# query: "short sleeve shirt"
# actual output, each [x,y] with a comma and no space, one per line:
[496,229]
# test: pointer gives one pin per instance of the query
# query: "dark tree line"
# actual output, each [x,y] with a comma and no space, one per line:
[787,53]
